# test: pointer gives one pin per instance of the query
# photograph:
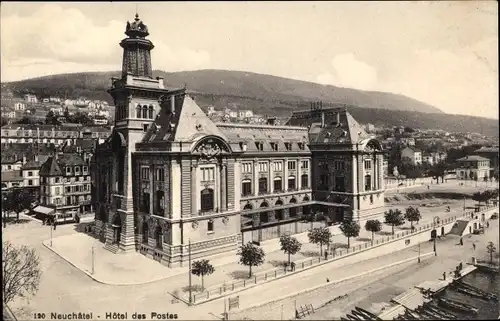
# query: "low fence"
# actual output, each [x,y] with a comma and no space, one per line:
[221,290]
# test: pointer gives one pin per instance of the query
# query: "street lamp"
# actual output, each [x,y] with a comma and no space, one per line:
[435,221]
[418,252]
[189,259]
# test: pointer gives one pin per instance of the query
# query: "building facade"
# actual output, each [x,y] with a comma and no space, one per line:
[65,187]
[473,167]
[46,134]
[168,176]
[412,155]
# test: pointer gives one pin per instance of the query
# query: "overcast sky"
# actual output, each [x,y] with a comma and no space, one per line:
[443,53]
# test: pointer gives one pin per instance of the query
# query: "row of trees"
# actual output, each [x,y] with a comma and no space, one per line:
[252,256]
[485,196]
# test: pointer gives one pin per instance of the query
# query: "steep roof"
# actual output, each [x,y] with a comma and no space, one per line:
[35,164]
[339,127]
[266,134]
[188,123]
[85,144]
[474,158]
[55,164]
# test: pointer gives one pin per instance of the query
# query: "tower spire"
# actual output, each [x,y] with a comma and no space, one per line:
[137,49]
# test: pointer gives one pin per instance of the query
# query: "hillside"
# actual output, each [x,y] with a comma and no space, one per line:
[270,95]
[232,83]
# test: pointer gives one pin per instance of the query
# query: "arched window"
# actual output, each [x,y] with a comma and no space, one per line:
[151,112]
[264,204]
[291,183]
[145,232]
[293,200]
[248,207]
[262,185]
[246,187]
[145,112]
[305,199]
[368,183]
[138,111]
[278,203]
[304,181]
[159,237]
[207,200]
[278,186]
[160,202]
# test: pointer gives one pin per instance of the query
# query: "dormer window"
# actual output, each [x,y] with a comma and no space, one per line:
[77,170]
[85,169]
[68,170]
[243,146]
[301,146]
[274,146]
[288,146]
[259,146]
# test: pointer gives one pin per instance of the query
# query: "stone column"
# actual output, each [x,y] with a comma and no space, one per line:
[255,184]
[194,184]
[223,174]
[151,189]
[270,181]
[285,179]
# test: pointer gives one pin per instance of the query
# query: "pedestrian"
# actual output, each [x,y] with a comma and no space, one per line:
[444,275]
[461,241]
[487,224]
[326,255]
[55,225]
[474,246]
[428,187]
[293,266]
[327,280]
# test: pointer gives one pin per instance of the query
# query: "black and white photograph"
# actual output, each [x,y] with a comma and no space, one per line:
[250,160]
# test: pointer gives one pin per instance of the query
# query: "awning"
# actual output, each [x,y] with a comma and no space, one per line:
[44,210]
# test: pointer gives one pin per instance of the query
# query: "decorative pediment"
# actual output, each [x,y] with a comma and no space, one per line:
[211,147]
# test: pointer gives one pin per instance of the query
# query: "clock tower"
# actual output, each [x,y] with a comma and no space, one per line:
[137,99]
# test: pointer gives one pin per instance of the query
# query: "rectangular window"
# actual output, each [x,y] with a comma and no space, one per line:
[277,166]
[340,184]
[339,165]
[288,146]
[208,174]
[145,173]
[305,164]
[263,167]
[291,183]
[145,127]
[259,146]
[274,146]
[368,164]
[30,173]
[68,170]
[324,181]
[160,174]
[57,179]
[30,182]
[292,165]
[77,170]
[85,169]
[246,167]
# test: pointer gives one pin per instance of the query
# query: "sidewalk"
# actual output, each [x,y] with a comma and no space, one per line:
[134,269]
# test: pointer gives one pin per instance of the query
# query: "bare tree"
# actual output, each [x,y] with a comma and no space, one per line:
[20,271]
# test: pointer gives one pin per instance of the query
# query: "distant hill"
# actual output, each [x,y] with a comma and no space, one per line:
[270,95]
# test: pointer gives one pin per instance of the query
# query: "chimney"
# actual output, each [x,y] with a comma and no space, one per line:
[172,104]
[160,82]
[322,119]
[36,157]
[74,141]
[24,159]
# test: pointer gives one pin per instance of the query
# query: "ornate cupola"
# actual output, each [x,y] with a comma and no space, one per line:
[137,50]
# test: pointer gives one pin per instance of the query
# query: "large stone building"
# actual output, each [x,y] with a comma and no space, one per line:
[169,176]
